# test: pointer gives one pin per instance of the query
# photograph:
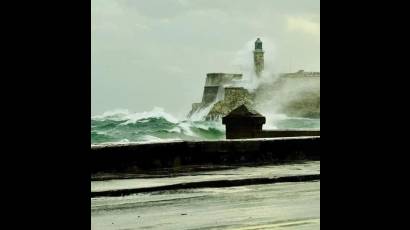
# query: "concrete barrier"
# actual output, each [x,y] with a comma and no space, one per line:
[133,156]
[288,133]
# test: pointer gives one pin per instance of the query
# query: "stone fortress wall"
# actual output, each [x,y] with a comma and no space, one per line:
[214,85]
[214,89]
[221,79]
[298,95]
[300,74]
[295,94]
[210,94]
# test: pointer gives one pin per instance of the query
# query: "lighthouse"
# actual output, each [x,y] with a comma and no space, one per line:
[258,57]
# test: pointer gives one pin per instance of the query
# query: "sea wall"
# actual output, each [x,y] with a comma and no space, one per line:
[287,133]
[236,94]
[233,97]
[221,79]
[210,94]
[132,157]
[214,89]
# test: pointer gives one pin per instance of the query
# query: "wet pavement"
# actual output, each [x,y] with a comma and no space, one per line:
[294,205]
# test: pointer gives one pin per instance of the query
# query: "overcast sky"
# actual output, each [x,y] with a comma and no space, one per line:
[156,53]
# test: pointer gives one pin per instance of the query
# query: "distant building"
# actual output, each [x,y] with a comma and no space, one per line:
[301,73]
[258,57]
[222,93]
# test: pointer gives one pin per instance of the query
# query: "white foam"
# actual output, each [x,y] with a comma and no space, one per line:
[209,125]
[130,117]
[201,114]
[157,112]
[153,139]
[272,119]
[117,114]
[101,132]
[175,130]
[186,129]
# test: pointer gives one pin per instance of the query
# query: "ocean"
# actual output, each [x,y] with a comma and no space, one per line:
[122,126]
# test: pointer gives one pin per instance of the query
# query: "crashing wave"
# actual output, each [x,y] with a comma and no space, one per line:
[129,117]
[121,126]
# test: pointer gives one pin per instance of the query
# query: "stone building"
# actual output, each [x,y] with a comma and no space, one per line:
[258,60]
[214,89]
[222,92]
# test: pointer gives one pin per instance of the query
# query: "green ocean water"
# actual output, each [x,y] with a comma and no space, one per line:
[122,126]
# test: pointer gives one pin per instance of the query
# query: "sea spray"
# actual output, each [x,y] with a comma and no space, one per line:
[123,126]
[275,96]
[244,62]
[200,114]
[249,81]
